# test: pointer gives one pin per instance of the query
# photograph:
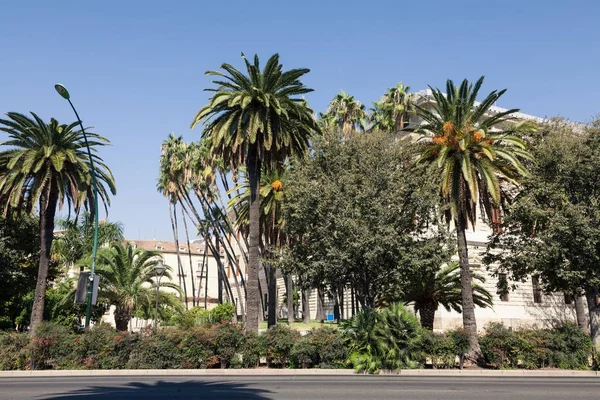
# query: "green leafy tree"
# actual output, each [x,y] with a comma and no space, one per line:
[128,282]
[551,229]
[392,111]
[353,212]
[257,120]
[472,150]
[46,164]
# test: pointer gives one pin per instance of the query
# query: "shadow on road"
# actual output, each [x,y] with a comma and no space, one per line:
[188,390]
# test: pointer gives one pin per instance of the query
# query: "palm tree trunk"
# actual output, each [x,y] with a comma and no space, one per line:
[47,204]
[187,238]
[468,307]
[591,295]
[179,265]
[272,296]
[122,319]
[306,306]
[252,291]
[427,314]
[581,313]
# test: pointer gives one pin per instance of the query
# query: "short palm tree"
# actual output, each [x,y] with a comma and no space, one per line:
[259,120]
[473,149]
[128,281]
[46,164]
[347,113]
[429,289]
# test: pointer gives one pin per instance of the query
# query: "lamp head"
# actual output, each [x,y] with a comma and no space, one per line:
[159,269]
[62,90]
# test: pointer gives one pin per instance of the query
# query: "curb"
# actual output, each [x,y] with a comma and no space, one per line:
[297,372]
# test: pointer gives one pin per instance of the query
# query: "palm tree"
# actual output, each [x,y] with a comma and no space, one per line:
[397,104]
[347,113]
[473,149]
[257,120]
[380,118]
[47,164]
[428,289]
[128,281]
[76,239]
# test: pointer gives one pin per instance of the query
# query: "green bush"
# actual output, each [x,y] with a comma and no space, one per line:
[389,339]
[14,351]
[279,340]
[222,313]
[500,346]
[570,347]
[102,347]
[304,353]
[440,349]
[53,348]
[158,350]
[197,348]
[253,347]
[228,341]
[462,343]
[331,349]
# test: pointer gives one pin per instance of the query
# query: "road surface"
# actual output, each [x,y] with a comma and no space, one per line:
[307,387]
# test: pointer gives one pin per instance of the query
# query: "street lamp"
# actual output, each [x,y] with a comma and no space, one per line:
[65,94]
[159,271]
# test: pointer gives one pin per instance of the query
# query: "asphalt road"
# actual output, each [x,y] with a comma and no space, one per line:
[312,388]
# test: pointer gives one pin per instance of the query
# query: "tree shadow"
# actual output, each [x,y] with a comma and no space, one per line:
[171,390]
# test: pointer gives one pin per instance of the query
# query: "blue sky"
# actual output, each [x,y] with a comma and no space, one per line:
[135,69]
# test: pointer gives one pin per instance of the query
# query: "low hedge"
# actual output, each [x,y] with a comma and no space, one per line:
[228,345]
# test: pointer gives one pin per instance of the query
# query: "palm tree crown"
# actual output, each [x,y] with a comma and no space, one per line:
[473,148]
[346,113]
[260,109]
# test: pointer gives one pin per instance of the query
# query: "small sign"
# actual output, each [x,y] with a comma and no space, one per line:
[330,317]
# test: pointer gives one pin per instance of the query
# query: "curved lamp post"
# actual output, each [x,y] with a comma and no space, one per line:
[65,94]
[159,271]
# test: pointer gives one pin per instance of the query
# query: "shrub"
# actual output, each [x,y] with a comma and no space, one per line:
[500,346]
[158,350]
[198,349]
[52,348]
[227,341]
[331,349]
[440,348]
[253,347]
[389,339]
[570,347]
[462,343]
[279,340]
[222,313]
[304,354]
[14,351]
[103,347]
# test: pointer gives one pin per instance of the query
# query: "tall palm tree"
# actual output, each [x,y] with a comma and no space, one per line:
[128,281]
[47,164]
[397,103]
[380,118]
[431,288]
[473,149]
[258,120]
[347,113]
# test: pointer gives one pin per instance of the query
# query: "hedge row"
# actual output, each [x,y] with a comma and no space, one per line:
[227,345]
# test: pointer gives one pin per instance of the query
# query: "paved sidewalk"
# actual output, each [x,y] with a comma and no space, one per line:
[297,372]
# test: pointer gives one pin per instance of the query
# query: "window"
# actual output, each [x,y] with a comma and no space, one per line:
[568,298]
[182,249]
[503,288]
[537,289]
[159,247]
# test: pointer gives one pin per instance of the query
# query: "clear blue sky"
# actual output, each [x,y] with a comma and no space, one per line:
[135,69]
